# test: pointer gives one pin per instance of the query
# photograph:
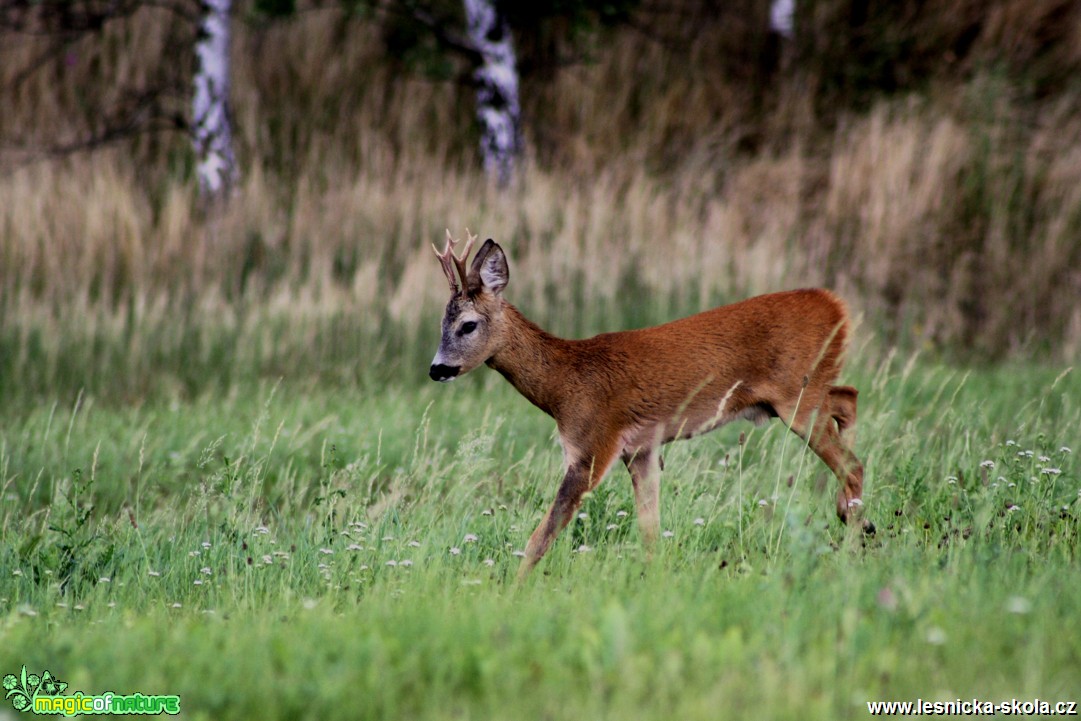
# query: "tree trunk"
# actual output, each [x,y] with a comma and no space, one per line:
[213,136]
[498,110]
[781,17]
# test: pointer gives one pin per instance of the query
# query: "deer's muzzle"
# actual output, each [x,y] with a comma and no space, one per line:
[440,372]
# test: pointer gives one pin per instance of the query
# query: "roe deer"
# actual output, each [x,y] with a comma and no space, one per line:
[623,395]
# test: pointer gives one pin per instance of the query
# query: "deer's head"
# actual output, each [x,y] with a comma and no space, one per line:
[472,321]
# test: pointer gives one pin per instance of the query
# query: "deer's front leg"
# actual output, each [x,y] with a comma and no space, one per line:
[645,469]
[569,497]
[582,475]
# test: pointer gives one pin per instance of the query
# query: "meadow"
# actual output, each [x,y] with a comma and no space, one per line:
[225,475]
[285,551]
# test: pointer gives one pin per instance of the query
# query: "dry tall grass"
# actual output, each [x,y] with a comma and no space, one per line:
[951,219]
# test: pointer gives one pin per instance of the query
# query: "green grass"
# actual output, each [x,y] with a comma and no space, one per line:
[246,538]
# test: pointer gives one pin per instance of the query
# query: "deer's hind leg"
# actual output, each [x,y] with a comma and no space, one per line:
[841,407]
[825,428]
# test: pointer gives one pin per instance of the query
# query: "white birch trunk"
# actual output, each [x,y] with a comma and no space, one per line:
[498,109]
[213,136]
[781,14]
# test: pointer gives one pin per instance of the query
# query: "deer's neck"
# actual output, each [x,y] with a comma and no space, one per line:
[533,360]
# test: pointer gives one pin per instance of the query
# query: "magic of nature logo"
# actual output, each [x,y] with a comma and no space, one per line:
[44,694]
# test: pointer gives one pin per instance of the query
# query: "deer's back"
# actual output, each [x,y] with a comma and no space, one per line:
[762,347]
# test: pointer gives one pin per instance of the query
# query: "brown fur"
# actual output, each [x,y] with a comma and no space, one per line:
[623,395]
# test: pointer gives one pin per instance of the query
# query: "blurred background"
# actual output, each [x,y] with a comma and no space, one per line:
[195,194]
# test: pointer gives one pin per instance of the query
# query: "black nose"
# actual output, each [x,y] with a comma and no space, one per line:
[440,372]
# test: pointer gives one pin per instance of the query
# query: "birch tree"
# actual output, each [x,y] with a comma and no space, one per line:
[496,77]
[212,134]
[781,14]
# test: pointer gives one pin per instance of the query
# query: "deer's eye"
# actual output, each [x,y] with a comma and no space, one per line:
[468,327]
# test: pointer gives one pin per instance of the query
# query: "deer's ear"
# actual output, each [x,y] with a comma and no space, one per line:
[489,270]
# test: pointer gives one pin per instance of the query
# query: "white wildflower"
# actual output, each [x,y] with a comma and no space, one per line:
[1018,604]
[936,636]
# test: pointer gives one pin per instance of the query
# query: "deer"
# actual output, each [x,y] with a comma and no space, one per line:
[625,394]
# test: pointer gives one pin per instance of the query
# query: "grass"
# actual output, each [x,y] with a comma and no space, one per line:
[303,551]
[223,474]
[947,214]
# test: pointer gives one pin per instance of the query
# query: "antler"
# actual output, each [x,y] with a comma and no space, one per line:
[447,257]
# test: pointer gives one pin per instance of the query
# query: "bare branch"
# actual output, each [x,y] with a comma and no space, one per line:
[446,35]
